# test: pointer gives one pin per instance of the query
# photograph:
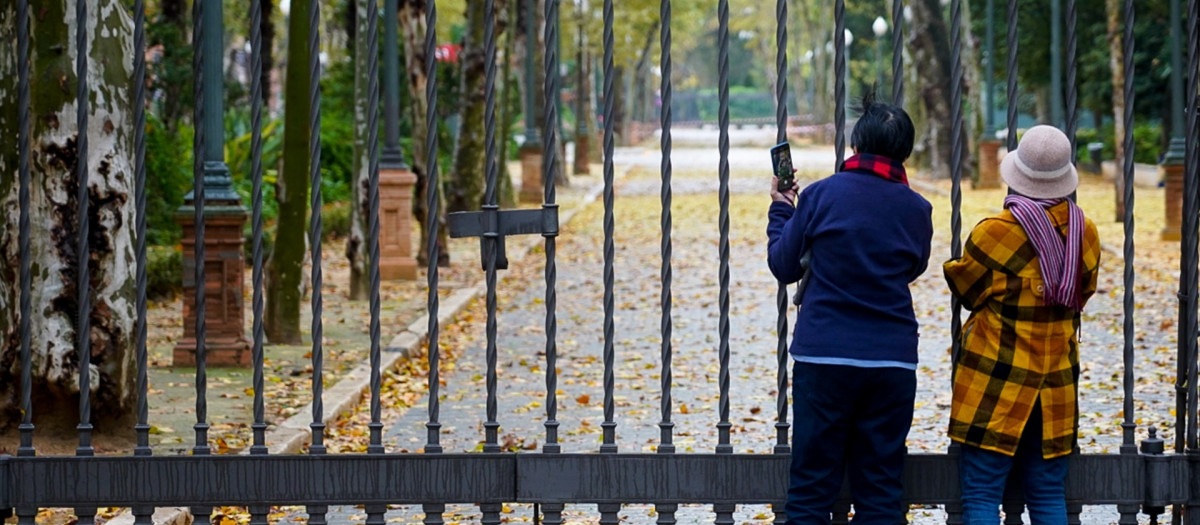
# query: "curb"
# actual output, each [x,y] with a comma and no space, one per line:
[294,433]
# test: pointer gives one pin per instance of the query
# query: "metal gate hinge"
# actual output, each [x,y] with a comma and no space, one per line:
[493,224]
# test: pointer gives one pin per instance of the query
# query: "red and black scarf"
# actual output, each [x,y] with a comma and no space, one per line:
[882,166]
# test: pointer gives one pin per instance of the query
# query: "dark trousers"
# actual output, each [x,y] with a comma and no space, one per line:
[855,421]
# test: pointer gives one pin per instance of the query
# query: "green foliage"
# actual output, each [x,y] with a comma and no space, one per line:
[1147,142]
[237,157]
[337,131]
[168,178]
[171,73]
[164,272]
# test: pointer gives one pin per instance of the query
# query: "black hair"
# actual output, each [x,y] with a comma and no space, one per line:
[882,129]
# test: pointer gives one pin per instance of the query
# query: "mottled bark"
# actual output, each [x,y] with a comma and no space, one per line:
[285,268]
[356,242]
[412,30]
[929,41]
[54,212]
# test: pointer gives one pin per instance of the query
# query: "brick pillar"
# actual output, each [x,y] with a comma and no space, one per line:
[531,174]
[1172,174]
[395,224]
[224,263]
[582,154]
[989,164]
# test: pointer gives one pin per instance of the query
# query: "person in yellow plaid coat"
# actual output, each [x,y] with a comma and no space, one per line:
[1025,274]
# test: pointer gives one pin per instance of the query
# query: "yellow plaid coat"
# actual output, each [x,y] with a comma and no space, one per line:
[1015,348]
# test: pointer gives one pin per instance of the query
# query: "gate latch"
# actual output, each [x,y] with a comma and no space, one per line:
[495,224]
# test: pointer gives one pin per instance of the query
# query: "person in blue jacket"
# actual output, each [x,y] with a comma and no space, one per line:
[855,343]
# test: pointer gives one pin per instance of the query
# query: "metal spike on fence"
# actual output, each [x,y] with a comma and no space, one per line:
[839,80]
[723,424]
[259,427]
[198,144]
[1191,214]
[549,177]
[24,141]
[142,428]
[781,293]
[83,317]
[376,425]
[898,52]
[609,426]
[1128,446]
[665,442]
[1011,72]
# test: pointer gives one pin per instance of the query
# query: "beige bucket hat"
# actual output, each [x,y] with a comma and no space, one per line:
[1041,166]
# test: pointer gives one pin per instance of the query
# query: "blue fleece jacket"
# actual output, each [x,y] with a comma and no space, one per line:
[869,239]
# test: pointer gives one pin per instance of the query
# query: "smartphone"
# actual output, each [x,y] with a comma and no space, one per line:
[781,160]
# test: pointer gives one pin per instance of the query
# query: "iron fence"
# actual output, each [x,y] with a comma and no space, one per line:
[1135,480]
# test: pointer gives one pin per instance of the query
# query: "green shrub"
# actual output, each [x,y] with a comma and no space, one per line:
[1147,142]
[168,179]
[164,272]
[335,219]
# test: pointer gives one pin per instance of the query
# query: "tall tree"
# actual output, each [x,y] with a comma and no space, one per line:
[356,242]
[285,268]
[54,209]
[171,73]
[929,41]
[466,178]
[1116,61]
[412,31]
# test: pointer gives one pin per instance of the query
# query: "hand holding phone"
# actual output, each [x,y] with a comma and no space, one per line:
[781,162]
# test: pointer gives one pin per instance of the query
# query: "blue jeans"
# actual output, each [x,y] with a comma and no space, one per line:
[983,474]
[849,421]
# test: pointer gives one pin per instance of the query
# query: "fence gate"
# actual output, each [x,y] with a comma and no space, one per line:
[1134,480]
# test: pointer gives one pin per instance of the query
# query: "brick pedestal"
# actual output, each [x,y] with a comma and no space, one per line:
[989,164]
[531,174]
[1172,174]
[224,263]
[395,224]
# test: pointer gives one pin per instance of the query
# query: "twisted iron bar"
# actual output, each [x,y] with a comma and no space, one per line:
[1191,214]
[201,447]
[609,426]
[1072,93]
[666,445]
[24,143]
[724,426]
[549,177]
[956,165]
[259,427]
[83,318]
[898,52]
[839,83]
[1011,72]
[314,235]
[1128,426]
[781,293]
[433,426]
[376,425]
[491,426]
[142,428]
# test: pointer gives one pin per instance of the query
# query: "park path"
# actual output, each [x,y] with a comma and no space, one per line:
[521,364]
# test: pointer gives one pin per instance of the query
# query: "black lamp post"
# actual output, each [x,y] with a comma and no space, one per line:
[392,157]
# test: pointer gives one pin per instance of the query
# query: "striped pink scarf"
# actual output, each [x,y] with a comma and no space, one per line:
[1059,262]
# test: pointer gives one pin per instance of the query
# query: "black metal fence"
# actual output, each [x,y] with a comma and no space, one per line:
[1135,480]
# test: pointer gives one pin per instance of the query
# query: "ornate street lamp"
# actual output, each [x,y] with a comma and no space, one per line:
[989,146]
[1171,168]
[396,179]
[222,216]
[880,28]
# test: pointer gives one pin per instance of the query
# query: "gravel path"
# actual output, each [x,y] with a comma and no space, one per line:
[695,339]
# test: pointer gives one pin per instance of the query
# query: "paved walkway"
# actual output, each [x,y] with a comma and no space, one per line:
[695,341]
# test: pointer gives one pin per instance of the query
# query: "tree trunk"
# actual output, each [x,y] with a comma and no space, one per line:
[929,40]
[508,105]
[267,25]
[1116,64]
[54,213]
[285,268]
[356,242]
[412,30]
[465,191]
